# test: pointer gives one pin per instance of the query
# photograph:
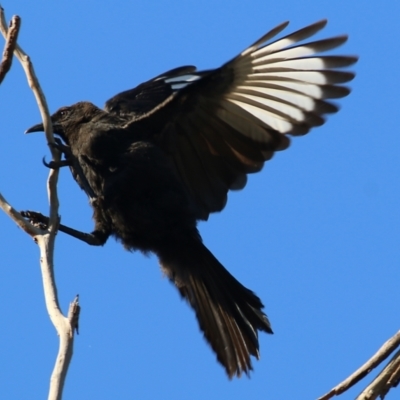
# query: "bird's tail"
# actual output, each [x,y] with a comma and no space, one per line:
[229,314]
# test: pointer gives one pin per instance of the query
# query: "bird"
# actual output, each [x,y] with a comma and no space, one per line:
[163,156]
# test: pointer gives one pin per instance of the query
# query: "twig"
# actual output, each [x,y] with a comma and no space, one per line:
[45,238]
[383,353]
[9,47]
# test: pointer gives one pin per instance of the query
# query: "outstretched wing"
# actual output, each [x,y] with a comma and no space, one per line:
[217,126]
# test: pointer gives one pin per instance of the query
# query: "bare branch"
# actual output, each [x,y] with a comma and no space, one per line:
[383,353]
[9,47]
[18,219]
[65,351]
[380,386]
[45,238]
[33,84]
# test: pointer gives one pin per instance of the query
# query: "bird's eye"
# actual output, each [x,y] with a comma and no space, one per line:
[63,113]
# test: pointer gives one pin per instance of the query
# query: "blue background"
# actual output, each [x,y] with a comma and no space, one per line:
[315,235]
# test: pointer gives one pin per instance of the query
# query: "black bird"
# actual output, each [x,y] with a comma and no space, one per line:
[164,155]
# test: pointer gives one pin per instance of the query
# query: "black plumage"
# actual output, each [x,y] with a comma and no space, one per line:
[164,155]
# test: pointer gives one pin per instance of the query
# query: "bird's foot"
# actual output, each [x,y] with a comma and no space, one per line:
[37,219]
[56,164]
[63,149]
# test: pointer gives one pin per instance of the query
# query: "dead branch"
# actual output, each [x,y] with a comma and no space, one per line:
[65,326]
[11,41]
[387,378]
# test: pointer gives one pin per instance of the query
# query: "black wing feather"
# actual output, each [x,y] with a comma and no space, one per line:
[232,119]
[142,99]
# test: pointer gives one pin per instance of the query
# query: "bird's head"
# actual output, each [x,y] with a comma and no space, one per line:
[66,120]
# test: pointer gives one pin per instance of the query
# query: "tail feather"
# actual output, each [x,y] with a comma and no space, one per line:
[229,314]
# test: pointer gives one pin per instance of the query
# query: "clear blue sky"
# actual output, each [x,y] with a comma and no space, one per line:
[315,234]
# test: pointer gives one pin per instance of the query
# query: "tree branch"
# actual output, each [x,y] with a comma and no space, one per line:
[381,385]
[45,239]
[385,378]
[18,218]
[11,42]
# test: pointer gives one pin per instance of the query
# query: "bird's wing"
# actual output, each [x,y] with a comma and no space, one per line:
[222,124]
[142,99]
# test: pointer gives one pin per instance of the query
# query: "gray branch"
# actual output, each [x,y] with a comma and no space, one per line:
[11,42]
[45,238]
[386,379]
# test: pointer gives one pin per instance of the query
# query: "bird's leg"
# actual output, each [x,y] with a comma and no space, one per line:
[71,161]
[96,238]
[63,149]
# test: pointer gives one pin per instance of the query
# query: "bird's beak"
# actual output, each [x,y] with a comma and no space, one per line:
[35,128]
[57,128]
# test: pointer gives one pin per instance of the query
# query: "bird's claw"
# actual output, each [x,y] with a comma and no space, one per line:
[63,149]
[60,146]
[37,219]
[56,164]
[70,160]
